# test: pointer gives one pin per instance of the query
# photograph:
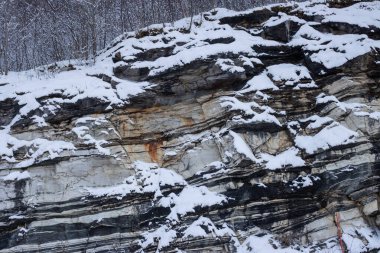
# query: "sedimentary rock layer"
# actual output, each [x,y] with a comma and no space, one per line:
[254,131]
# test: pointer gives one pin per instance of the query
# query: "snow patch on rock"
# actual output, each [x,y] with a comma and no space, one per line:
[331,136]
[287,158]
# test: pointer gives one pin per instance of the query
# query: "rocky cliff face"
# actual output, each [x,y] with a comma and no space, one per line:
[254,131]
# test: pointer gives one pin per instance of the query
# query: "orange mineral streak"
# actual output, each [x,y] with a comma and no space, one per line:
[337,222]
[153,149]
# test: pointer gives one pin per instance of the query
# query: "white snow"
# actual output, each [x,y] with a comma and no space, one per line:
[352,237]
[163,235]
[189,198]
[265,115]
[344,106]
[16,217]
[293,127]
[332,50]
[266,242]
[195,45]
[16,175]
[168,233]
[94,120]
[288,157]
[262,95]
[372,115]
[304,181]
[65,87]
[262,185]
[71,86]
[223,12]
[332,135]
[127,89]
[258,83]
[83,133]
[235,104]
[217,165]
[229,66]
[358,109]
[22,231]
[296,76]
[323,99]
[283,17]
[40,121]
[149,178]
[170,153]
[263,244]
[27,87]
[242,147]
[363,14]
[291,74]
[203,227]
[38,149]
[250,61]
[317,121]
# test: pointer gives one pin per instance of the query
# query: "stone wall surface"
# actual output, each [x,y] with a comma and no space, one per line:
[254,131]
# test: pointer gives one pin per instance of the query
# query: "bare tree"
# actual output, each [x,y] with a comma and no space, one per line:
[34,33]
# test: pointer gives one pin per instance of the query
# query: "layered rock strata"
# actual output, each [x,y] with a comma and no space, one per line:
[254,131]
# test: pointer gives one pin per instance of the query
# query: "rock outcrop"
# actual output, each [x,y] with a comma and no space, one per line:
[255,131]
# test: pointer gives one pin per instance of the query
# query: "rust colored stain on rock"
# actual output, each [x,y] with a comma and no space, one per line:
[152,148]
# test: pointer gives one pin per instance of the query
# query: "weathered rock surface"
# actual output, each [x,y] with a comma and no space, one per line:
[256,131]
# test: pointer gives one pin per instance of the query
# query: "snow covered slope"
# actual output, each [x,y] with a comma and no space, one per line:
[254,131]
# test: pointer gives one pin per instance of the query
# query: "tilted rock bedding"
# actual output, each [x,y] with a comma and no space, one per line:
[254,131]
